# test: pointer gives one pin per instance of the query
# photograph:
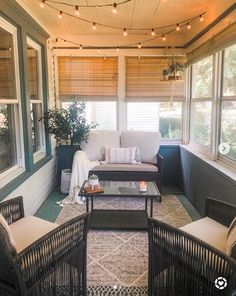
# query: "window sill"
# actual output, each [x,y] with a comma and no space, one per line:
[38,156]
[8,177]
[221,167]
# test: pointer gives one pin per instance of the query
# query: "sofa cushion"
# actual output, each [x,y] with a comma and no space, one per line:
[97,140]
[29,229]
[120,155]
[231,240]
[143,167]
[148,144]
[210,231]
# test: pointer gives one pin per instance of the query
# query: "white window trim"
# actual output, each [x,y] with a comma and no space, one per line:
[219,165]
[12,172]
[38,155]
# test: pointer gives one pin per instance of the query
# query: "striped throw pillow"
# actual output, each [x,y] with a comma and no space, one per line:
[231,240]
[120,155]
[5,230]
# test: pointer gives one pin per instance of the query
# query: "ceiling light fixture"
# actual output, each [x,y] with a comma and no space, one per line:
[201,18]
[94,26]
[177,27]
[80,46]
[76,9]
[139,45]
[125,33]
[153,32]
[60,14]
[42,3]
[64,42]
[163,38]
[118,48]
[188,26]
[114,8]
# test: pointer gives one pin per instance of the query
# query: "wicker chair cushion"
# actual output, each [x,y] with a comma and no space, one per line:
[29,229]
[5,231]
[231,240]
[210,231]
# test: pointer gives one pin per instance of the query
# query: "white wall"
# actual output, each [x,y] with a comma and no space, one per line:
[36,189]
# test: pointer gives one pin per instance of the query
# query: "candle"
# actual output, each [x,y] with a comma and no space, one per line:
[142,186]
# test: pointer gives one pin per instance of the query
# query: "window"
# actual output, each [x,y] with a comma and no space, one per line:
[11,156]
[103,113]
[228,102]
[201,103]
[165,117]
[36,102]
[153,104]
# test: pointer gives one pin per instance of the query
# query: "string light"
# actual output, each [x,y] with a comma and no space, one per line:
[188,26]
[177,27]
[94,26]
[42,3]
[201,18]
[76,9]
[60,14]
[139,45]
[153,32]
[125,33]
[114,8]
[163,38]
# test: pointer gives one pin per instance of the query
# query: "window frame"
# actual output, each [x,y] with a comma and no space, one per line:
[41,153]
[221,158]
[12,172]
[198,147]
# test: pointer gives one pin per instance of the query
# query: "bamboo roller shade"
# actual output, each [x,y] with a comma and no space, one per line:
[144,79]
[7,80]
[87,76]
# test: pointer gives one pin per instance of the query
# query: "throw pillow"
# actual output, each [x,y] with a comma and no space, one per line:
[4,227]
[231,240]
[120,155]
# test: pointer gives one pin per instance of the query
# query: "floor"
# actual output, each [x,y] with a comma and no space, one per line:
[118,260]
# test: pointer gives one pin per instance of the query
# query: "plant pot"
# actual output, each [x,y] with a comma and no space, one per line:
[165,77]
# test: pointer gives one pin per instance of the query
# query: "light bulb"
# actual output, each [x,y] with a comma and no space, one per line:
[188,26]
[118,48]
[201,18]
[163,38]
[139,45]
[60,15]
[76,9]
[94,26]
[125,33]
[177,27]
[153,32]
[80,46]
[42,3]
[64,42]
[114,8]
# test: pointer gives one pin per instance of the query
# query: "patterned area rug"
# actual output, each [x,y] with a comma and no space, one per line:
[118,260]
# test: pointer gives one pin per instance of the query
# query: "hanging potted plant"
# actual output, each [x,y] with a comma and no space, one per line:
[175,71]
[70,128]
[165,74]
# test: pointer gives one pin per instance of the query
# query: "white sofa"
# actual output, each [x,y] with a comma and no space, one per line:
[150,163]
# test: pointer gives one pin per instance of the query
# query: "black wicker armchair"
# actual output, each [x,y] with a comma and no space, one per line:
[182,265]
[55,264]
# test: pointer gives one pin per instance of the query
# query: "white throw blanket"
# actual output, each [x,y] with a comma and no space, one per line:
[80,169]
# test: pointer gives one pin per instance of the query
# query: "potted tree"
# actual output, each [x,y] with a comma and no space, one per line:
[70,128]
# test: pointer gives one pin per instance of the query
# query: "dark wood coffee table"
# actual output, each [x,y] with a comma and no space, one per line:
[116,218]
